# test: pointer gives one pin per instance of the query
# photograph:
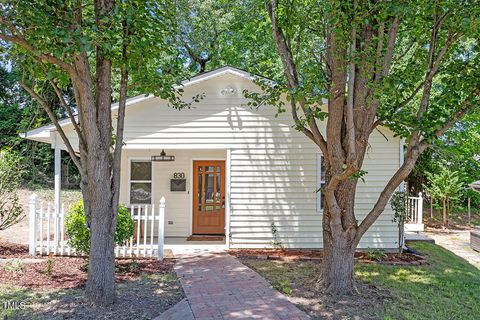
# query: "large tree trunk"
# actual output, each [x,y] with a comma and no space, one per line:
[338,262]
[339,242]
[100,287]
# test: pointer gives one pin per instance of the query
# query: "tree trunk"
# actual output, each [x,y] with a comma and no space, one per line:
[431,208]
[338,262]
[445,221]
[100,287]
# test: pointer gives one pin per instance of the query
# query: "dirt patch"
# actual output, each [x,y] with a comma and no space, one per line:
[13,250]
[143,298]
[373,256]
[69,272]
[456,221]
[299,281]
[52,288]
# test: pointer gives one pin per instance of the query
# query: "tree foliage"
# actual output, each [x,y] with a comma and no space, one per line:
[94,49]
[18,114]
[410,66]
[444,186]
[11,210]
[215,33]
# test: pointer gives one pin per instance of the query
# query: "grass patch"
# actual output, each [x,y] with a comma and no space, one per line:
[447,287]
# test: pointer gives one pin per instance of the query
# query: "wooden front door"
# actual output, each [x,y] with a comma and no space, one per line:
[209,197]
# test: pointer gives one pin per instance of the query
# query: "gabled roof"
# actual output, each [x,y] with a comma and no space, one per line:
[216,73]
[43,134]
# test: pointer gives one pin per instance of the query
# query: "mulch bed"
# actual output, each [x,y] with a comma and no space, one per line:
[66,272]
[317,255]
[13,250]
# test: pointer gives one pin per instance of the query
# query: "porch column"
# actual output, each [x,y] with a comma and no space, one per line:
[58,179]
[58,206]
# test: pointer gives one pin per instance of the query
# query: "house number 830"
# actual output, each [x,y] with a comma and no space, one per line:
[179,175]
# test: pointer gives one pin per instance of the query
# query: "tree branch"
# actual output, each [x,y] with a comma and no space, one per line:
[350,125]
[117,153]
[68,109]
[44,57]
[54,120]
[413,153]
[415,149]
[291,73]
[459,114]
[392,36]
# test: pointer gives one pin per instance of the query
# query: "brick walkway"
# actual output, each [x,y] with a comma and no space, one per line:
[459,243]
[218,286]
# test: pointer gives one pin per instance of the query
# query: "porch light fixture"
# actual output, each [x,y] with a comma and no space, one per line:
[163,157]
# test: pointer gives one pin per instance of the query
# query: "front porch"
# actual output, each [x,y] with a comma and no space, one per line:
[47,233]
[169,201]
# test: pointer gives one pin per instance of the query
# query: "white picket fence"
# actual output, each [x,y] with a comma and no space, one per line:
[414,221]
[47,231]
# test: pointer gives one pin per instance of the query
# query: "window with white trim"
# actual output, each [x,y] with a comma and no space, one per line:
[320,182]
[140,182]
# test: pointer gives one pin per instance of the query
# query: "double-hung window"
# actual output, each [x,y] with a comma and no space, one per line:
[320,182]
[140,182]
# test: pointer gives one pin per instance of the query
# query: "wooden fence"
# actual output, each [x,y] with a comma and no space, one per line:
[47,231]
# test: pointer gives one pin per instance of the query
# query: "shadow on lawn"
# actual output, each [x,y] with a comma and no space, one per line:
[143,298]
[445,288]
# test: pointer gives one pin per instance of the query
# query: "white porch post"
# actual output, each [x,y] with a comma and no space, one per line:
[32,225]
[58,179]
[58,187]
[420,208]
[161,227]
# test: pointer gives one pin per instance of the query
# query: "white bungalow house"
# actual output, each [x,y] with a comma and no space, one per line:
[234,170]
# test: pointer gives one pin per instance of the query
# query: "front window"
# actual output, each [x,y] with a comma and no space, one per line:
[140,182]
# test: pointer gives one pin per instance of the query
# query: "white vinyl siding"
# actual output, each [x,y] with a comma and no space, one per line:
[273,167]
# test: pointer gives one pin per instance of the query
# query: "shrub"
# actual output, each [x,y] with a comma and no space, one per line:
[79,235]
[14,266]
[398,202]
[11,210]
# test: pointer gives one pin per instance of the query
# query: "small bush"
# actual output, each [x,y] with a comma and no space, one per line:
[50,265]
[14,266]
[79,235]
[284,286]
[375,254]
[276,243]
[11,210]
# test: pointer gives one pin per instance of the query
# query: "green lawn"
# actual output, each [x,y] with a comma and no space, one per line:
[447,288]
